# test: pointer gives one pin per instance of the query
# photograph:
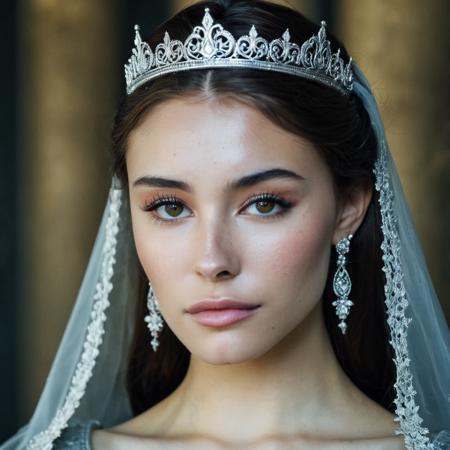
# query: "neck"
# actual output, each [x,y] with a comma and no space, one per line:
[286,390]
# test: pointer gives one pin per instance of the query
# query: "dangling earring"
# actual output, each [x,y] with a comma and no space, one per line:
[153,318]
[342,283]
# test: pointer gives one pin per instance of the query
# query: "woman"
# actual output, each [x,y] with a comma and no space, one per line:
[256,281]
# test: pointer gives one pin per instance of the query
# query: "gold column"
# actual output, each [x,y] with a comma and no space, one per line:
[69,77]
[403,48]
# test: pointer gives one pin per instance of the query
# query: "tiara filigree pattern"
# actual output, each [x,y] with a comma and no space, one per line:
[211,46]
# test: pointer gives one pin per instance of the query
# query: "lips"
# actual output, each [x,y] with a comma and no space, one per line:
[208,305]
[219,313]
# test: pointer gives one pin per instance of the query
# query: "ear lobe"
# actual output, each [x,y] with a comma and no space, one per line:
[354,204]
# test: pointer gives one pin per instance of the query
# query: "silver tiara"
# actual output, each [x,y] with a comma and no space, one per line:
[210,46]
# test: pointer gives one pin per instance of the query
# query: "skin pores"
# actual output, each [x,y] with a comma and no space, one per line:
[222,244]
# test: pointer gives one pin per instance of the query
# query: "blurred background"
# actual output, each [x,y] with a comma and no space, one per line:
[62,73]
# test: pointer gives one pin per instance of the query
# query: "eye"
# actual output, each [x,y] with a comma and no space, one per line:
[168,208]
[265,203]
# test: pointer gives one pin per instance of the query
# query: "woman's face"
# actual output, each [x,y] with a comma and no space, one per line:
[225,204]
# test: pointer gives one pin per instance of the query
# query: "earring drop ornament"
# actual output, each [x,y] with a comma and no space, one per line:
[153,319]
[342,284]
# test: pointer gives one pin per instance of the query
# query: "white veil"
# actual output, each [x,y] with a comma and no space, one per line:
[87,378]
[419,332]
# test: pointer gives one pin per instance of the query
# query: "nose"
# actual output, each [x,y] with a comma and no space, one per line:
[217,258]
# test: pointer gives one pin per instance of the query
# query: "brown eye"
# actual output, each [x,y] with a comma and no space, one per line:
[166,209]
[265,206]
[268,205]
[173,209]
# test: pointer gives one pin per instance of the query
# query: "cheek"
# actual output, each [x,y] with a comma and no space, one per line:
[299,260]
[148,248]
[139,235]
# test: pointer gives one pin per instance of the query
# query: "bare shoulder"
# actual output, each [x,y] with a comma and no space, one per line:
[131,436]
[104,439]
[387,443]
[363,426]
[112,440]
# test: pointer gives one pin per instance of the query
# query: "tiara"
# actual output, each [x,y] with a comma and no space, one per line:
[211,46]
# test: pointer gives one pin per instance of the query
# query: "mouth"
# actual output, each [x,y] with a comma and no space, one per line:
[220,313]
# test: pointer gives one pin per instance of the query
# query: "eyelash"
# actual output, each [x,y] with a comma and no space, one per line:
[161,200]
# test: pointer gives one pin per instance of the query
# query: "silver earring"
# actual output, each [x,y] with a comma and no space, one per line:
[342,283]
[153,319]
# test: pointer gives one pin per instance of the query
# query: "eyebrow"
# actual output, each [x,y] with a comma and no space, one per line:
[240,183]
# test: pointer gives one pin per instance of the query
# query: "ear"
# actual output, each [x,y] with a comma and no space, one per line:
[353,206]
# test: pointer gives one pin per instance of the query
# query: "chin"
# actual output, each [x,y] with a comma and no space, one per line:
[229,350]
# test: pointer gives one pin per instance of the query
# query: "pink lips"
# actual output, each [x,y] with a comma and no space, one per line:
[220,313]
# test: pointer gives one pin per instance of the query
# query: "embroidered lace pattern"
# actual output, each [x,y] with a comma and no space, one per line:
[93,340]
[416,436]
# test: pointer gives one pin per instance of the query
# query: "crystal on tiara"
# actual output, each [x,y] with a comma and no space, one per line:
[210,46]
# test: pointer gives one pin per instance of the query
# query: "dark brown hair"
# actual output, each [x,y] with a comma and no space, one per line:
[338,126]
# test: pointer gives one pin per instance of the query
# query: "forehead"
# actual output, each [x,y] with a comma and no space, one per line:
[190,136]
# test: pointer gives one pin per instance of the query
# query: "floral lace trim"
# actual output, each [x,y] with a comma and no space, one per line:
[396,301]
[83,372]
